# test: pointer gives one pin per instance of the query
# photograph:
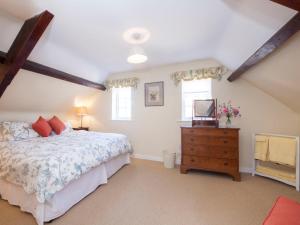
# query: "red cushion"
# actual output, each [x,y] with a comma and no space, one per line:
[284,212]
[42,127]
[57,125]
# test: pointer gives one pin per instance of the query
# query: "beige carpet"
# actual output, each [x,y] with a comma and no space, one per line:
[144,193]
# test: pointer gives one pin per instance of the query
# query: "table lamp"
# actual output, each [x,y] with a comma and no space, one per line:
[81,111]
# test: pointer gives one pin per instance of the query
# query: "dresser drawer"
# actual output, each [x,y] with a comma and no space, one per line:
[210,163]
[197,150]
[224,132]
[224,164]
[223,141]
[221,132]
[210,151]
[195,140]
[195,131]
[223,152]
[195,161]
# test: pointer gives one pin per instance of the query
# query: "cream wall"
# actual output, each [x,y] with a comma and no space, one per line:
[278,75]
[31,95]
[154,129]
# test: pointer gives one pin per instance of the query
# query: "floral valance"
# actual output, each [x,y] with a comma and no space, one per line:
[198,74]
[119,83]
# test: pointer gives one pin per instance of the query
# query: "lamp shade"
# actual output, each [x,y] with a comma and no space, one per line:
[81,111]
[137,55]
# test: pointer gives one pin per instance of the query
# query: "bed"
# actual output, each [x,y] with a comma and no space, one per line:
[47,176]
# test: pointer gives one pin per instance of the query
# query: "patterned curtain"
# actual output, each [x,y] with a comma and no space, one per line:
[120,83]
[198,74]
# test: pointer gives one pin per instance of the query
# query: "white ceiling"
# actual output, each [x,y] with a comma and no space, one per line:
[85,37]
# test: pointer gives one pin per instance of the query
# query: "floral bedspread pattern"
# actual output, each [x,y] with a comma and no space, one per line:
[44,166]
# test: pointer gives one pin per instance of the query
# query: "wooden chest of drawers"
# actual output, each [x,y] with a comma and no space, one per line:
[212,149]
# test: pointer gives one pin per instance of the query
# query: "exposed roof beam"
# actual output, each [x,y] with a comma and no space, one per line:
[293,4]
[51,72]
[22,46]
[288,30]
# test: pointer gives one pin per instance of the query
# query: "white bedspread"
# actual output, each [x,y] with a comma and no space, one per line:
[45,166]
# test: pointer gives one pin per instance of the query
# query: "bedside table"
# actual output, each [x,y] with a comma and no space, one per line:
[81,128]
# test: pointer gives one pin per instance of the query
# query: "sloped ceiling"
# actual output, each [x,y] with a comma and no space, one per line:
[279,74]
[85,37]
[31,92]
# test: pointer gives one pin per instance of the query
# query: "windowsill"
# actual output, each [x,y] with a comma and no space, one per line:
[184,120]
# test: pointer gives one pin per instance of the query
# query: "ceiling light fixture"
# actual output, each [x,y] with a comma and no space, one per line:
[136,35]
[137,55]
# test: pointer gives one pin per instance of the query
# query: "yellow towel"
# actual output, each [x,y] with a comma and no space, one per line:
[283,150]
[281,174]
[261,147]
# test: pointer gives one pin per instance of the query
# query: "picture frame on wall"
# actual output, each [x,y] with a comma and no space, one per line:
[154,94]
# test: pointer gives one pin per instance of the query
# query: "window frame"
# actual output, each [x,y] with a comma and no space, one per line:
[115,115]
[183,99]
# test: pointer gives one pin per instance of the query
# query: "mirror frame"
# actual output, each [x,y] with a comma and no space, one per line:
[205,100]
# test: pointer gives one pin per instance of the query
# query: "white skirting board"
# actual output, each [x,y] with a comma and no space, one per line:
[160,159]
[147,157]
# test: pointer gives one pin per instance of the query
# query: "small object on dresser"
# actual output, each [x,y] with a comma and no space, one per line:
[81,128]
[228,111]
[204,113]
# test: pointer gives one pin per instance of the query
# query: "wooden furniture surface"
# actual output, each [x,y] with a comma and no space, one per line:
[81,128]
[211,149]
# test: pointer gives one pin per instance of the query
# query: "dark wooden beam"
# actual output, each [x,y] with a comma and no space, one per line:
[48,71]
[287,31]
[2,57]
[22,46]
[293,4]
[51,72]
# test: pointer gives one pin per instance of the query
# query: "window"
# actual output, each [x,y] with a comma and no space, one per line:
[121,103]
[192,90]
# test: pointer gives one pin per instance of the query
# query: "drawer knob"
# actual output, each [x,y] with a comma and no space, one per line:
[192,160]
[225,163]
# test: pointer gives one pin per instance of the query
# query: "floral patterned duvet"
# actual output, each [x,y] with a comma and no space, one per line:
[44,166]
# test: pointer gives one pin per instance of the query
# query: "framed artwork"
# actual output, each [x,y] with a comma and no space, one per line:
[154,94]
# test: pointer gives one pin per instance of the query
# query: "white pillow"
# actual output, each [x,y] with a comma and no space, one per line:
[15,131]
[69,127]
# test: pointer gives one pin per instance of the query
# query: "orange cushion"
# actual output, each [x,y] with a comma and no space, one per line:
[57,125]
[284,212]
[42,127]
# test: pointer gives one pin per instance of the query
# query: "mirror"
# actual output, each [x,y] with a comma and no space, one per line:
[205,108]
